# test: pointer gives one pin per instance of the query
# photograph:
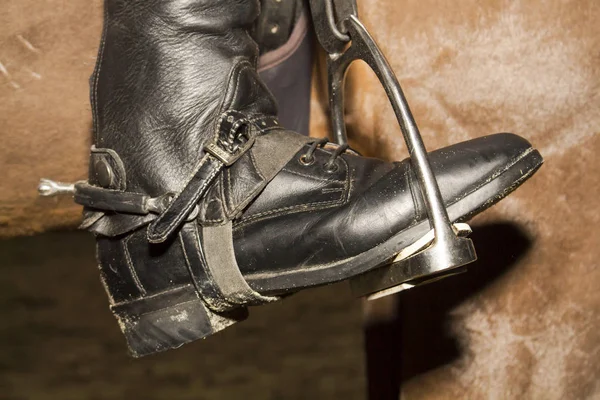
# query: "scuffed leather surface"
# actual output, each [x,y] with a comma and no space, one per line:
[240,183]
[301,187]
[359,206]
[132,268]
[227,197]
[166,71]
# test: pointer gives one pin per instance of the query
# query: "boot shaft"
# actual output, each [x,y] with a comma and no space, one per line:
[166,71]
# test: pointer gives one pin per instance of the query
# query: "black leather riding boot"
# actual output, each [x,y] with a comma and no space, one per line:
[202,204]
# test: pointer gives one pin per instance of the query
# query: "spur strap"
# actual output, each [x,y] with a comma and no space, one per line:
[235,135]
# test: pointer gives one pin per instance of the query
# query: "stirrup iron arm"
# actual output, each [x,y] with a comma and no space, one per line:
[346,40]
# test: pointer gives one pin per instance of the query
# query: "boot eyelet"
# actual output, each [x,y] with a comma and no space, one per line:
[306,161]
[330,169]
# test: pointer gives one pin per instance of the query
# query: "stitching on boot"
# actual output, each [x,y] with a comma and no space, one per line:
[219,304]
[252,195]
[98,68]
[134,275]
[174,222]
[112,156]
[153,235]
[235,73]
[151,296]
[291,210]
[347,185]
[316,178]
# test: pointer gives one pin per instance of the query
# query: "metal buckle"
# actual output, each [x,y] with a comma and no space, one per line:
[224,155]
[231,141]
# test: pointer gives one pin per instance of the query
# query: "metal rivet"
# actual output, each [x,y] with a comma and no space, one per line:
[104,173]
[331,168]
[306,161]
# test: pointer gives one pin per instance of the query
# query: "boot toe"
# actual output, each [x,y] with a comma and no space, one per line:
[383,213]
[395,202]
[463,167]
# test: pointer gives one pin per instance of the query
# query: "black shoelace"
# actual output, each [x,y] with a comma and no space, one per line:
[330,166]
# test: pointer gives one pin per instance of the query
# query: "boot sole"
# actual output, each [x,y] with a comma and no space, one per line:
[169,320]
[473,203]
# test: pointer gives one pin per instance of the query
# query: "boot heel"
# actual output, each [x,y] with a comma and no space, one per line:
[169,320]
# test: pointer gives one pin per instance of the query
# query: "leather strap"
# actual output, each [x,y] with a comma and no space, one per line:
[269,154]
[211,261]
[99,198]
[236,135]
[162,227]
[217,244]
[191,242]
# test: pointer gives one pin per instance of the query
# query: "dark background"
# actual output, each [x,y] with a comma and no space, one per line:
[58,339]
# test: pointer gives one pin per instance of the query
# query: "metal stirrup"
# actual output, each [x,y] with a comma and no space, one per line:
[346,40]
